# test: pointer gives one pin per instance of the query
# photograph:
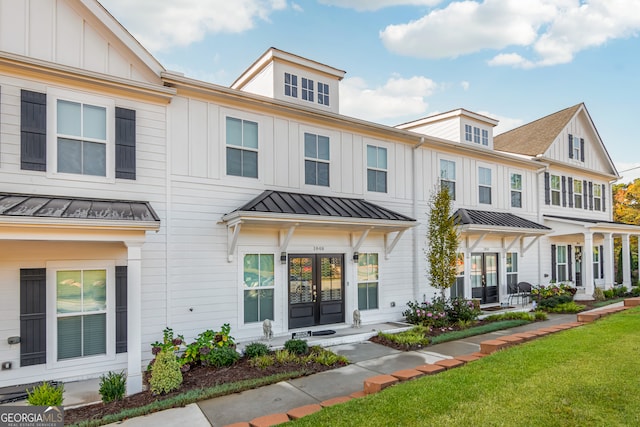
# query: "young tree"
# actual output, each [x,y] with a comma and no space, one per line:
[442,241]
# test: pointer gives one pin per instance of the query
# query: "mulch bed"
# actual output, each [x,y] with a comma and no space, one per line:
[196,378]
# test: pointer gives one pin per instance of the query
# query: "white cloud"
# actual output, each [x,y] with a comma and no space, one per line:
[163,24]
[371,5]
[554,30]
[399,97]
[465,85]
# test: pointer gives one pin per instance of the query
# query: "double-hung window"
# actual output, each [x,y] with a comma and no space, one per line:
[323,94]
[376,169]
[258,287]
[555,190]
[485,137]
[577,193]
[81,135]
[596,262]
[576,148]
[81,313]
[291,85]
[242,148]
[468,133]
[448,177]
[516,190]
[367,281]
[484,185]
[476,135]
[512,269]
[597,197]
[316,162]
[561,263]
[307,89]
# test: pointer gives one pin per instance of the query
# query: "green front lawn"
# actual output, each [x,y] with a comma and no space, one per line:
[583,376]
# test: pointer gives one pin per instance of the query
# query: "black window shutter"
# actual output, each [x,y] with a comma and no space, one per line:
[570,146]
[604,204]
[121,309]
[553,263]
[33,131]
[590,195]
[570,185]
[33,316]
[582,150]
[564,190]
[125,143]
[601,262]
[547,189]
[585,194]
[570,257]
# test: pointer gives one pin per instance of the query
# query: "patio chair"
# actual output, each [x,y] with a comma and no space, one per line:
[512,291]
[524,292]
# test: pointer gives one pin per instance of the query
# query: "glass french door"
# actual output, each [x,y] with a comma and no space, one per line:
[316,290]
[484,277]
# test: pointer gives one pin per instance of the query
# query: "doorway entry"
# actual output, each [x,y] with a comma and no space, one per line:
[316,290]
[484,277]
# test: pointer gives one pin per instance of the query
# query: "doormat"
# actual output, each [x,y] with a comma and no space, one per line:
[325,332]
[496,308]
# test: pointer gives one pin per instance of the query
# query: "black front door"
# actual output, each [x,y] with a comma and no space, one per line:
[484,277]
[316,290]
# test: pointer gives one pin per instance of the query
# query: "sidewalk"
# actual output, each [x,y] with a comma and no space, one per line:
[367,360]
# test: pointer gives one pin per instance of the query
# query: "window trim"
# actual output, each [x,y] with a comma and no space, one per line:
[292,85]
[597,260]
[225,146]
[243,288]
[485,137]
[512,190]
[377,168]
[564,266]
[55,94]
[578,195]
[451,180]
[277,270]
[308,90]
[361,256]
[489,186]
[553,190]
[315,160]
[52,325]
[515,255]
[597,199]
[323,93]
[468,133]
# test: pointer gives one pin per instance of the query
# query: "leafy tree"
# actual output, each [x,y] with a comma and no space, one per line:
[626,209]
[442,241]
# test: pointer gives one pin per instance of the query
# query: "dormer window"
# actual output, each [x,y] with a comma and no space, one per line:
[323,94]
[291,85]
[476,135]
[485,137]
[468,136]
[307,89]
[576,148]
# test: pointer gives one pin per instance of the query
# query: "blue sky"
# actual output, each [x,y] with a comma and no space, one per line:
[514,60]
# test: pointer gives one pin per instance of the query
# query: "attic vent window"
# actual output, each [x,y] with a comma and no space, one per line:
[323,94]
[291,85]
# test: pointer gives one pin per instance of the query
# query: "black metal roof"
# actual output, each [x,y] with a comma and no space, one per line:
[497,219]
[29,205]
[589,220]
[282,202]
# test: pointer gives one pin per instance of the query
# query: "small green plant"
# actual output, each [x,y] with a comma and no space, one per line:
[635,291]
[46,395]
[540,315]
[510,315]
[256,349]
[609,293]
[326,357]
[263,362]
[285,356]
[113,386]
[169,342]
[620,291]
[553,301]
[165,373]
[297,346]
[464,324]
[415,336]
[598,295]
[198,351]
[567,307]
[220,356]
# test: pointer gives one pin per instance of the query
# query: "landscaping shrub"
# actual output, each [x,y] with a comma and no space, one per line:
[540,315]
[441,312]
[201,348]
[297,346]
[415,336]
[220,356]
[285,356]
[459,309]
[598,295]
[553,301]
[112,386]
[553,290]
[165,373]
[567,307]
[263,362]
[511,315]
[256,349]
[326,357]
[620,291]
[609,293]
[46,395]
[635,291]
[169,342]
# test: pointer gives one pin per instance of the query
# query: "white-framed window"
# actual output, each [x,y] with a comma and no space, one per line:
[484,185]
[561,263]
[448,176]
[376,169]
[258,284]
[555,190]
[316,162]
[597,197]
[476,135]
[323,94]
[242,147]
[596,262]
[307,89]
[291,85]
[576,148]
[457,290]
[516,190]
[468,133]
[368,281]
[485,137]
[512,268]
[577,193]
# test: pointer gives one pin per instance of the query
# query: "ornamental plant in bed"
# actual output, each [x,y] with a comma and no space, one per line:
[442,313]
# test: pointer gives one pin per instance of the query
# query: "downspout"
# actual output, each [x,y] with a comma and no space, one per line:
[540,220]
[416,230]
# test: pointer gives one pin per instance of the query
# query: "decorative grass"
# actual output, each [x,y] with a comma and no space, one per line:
[478,330]
[607,302]
[578,377]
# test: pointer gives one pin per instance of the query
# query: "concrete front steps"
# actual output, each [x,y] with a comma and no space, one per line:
[380,382]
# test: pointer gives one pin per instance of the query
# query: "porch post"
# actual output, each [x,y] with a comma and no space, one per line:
[607,258]
[134,317]
[626,264]
[587,264]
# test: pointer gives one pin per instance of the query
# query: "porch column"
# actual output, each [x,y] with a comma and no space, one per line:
[626,264]
[607,259]
[134,317]
[587,265]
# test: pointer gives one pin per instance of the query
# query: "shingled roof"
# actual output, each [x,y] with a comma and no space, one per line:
[535,138]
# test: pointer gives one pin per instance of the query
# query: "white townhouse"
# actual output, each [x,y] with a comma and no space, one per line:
[133,198]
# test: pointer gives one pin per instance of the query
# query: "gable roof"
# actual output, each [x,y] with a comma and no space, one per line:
[536,137]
